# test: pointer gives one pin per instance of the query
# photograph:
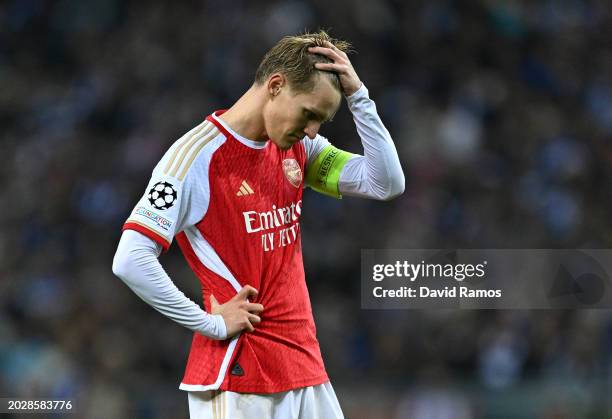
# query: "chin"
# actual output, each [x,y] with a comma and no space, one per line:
[285,144]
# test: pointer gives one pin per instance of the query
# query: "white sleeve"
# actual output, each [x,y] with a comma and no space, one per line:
[176,197]
[378,173]
[314,147]
[136,264]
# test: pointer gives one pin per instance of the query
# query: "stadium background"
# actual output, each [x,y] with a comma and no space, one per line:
[501,113]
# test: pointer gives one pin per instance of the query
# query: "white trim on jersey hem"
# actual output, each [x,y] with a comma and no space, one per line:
[243,140]
[207,255]
[222,371]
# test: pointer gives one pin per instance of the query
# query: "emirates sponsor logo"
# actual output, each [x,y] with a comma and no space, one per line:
[278,227]
[293,172]
[260,221]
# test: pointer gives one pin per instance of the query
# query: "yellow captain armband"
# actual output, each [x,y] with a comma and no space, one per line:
[323,175]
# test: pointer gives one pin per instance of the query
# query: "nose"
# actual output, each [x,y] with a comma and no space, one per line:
[312,129]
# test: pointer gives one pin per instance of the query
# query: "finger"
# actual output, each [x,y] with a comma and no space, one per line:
[328,52]
[246,292]
[249,327]
[254,319]
[213,301]
[329,44]
[253,308]
[337,68]
[332,46]
[338,50]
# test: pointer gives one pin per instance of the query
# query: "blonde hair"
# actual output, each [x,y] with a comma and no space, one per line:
[290,57]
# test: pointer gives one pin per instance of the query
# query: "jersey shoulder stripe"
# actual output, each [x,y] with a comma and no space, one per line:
[188,148]
[196,151]
[184,140]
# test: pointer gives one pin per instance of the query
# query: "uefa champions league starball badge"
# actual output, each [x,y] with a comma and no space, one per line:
[293,172]
[162,195]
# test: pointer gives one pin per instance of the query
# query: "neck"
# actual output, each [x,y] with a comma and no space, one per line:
[245,116]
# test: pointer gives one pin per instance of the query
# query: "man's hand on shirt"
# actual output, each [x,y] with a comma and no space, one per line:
[341,65]
[238,313]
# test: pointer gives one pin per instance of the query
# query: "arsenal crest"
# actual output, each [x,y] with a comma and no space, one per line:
[293,172]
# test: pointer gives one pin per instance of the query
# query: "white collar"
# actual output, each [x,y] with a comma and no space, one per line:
[243,140]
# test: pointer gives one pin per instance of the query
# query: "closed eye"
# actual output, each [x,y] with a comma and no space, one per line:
[310,114]
[313,116]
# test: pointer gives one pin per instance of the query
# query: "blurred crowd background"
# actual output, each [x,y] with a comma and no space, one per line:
[501,112]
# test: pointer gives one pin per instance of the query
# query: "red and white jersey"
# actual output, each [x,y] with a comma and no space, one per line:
[234,207]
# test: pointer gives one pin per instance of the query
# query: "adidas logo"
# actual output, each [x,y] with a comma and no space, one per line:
[237,370]
[245,189]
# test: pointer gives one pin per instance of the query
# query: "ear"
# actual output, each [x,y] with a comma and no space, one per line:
[275,83]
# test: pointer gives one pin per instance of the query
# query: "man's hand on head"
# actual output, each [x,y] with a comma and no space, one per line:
[341,65]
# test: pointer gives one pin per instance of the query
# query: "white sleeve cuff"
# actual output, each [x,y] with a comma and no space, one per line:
[361,93]
[219,326]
